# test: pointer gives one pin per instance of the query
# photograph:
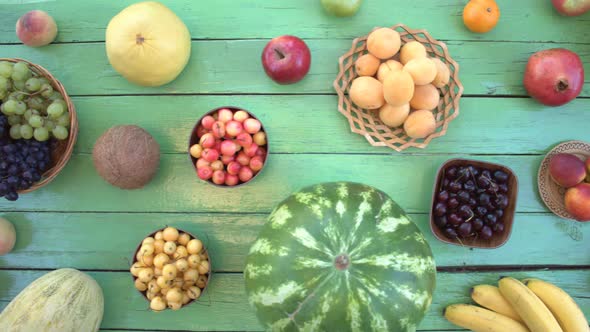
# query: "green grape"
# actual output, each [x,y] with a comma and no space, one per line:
[33,84]
[6,69]
[36,121]
[35,102]
[19,85]
[22,68]
[64,120]
[9,107]
[28,114]
[41,134]
[47,90]
[15,132]
[14,119]
[4,83]
[49,124]
[21,107]
[43,80]
[15,95]
[26,131]
[55,110]
[60,132]
[3,94]
[55,95]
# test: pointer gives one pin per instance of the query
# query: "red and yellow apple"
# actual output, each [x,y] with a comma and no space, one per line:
[36,28]
[577,201]
[571,7]
[567,170]
[286,59]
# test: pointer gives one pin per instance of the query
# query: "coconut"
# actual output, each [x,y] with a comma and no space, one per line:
[126,156]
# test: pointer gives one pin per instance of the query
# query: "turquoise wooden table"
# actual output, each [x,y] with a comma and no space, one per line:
[82,222]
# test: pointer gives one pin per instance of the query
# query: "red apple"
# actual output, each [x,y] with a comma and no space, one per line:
[577,201]
[588,170]
[571,7]
[36,28]
[286,59]
[554,77]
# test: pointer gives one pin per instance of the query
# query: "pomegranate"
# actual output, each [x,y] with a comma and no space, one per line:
[554,77]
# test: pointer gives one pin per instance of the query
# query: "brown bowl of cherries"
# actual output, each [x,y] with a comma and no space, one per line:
[473,203]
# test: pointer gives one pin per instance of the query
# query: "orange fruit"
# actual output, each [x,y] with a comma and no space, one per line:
[481,15]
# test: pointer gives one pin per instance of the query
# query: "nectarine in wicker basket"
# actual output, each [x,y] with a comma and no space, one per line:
[366,122]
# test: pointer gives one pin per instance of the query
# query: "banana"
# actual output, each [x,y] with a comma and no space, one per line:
[568,313]
[489,297]
[481,320]
[528,306]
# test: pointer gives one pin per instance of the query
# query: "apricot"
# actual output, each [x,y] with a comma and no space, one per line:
[398,88]
[384,43]
[567,170]
[422,70]
[387,67]
[443,74]
[412,50]
[36,28]
[394,116]
[577,201]
[426,97]
[367,65]
[367,92]
[420,124]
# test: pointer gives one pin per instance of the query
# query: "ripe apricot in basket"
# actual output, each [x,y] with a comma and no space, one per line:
[367,92]
[426,97]
[394,116]
[481,16]
[443,74]
[423,70]
[384,43]
[398,88]
[420,124]
[367,65]
[412,50]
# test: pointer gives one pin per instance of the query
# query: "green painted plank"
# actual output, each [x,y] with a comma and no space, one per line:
[176,188]
[312,124]
[111,238]
[235,67]
[224,305]
[529,20]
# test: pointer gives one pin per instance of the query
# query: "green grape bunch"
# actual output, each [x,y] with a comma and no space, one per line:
[33,108]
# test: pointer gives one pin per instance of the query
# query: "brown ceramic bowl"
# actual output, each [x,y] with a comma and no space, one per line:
[194,139]
[180,231]
[508,218]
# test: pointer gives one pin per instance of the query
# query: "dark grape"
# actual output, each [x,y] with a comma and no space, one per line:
[463,196]
[445,183]
[498,227]
[481,211]
[485,232]
[453,203]
[503,188]
[464,229]
[441,221]
[500,176]
[492,189]
[469,186]
[454,219]
[440,209]
[443,196]
[451,233]
[473,170]
[451,173]
[499,213]
[465,212]
[483,182]
[477,224]
[491,219]
[454,187]
[472,202]
[486,173]
[501,201]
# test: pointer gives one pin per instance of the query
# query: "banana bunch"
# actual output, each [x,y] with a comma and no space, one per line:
[532,305]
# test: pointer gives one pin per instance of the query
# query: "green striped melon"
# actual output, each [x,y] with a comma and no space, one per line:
[64,300]
[340,257]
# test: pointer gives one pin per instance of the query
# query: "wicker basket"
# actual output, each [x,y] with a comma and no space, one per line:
[61,150]
[367,123]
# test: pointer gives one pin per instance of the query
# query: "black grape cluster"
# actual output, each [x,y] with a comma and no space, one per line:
[22,162]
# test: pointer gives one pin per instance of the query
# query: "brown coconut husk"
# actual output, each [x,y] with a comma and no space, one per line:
[126,156]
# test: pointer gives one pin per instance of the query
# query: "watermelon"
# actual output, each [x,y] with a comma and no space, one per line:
[340,257]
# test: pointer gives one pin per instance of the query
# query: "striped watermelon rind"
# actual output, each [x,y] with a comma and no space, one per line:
[340,257]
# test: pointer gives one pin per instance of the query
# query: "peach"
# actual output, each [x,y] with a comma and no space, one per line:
[398,88]
[426,97]
[422,70]
[367,65]
[394,116]
[367,92]
[388,67]
[443,74]
[36,28]
[567,170]
[577,201]
[384,43]
[420,124]
[412,50]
